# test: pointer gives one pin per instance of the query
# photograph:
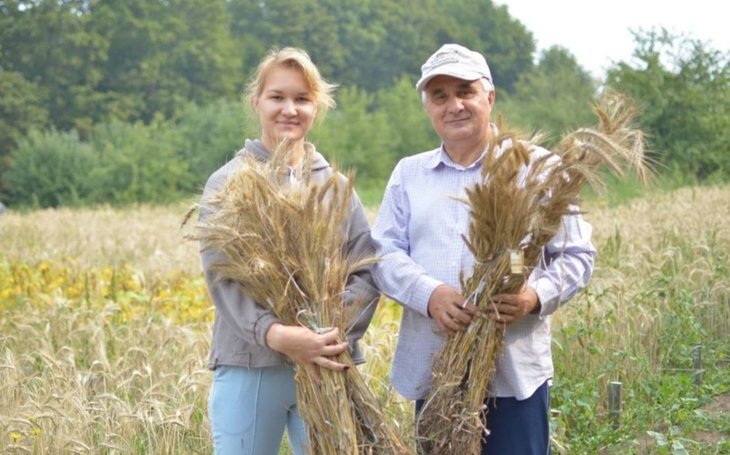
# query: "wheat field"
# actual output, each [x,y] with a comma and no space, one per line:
[104,331]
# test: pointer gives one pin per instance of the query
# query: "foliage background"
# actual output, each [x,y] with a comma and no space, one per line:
[106,101]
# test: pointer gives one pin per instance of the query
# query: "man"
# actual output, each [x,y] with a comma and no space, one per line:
[418,235]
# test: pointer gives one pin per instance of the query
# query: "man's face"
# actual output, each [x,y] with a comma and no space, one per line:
[458,109]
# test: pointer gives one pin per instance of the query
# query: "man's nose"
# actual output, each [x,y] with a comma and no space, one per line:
[455,104]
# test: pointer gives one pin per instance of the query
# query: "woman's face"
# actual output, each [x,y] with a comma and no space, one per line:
[286,107]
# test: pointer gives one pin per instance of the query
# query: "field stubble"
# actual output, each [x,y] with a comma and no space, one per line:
[104,329]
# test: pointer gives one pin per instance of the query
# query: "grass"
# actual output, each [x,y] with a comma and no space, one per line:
[147,238]
[661,287]
[104,332]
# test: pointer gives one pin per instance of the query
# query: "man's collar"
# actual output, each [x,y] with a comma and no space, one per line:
[434,158]
[439,156]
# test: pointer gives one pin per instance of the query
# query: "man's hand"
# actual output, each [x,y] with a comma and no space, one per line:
[446,307]
[508,308]
[305,347]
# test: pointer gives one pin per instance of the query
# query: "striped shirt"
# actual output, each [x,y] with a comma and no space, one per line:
[418,235]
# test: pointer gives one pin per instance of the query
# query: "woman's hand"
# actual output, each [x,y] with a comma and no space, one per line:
[307,348]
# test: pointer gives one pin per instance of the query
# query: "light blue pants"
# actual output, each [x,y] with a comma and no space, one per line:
[249,409]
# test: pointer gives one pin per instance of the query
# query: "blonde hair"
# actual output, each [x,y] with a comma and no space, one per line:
[292,57]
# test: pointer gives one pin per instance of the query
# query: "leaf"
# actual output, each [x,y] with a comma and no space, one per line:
[660,439]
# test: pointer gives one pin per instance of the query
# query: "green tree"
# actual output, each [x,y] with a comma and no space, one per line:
[51,44]
[135,163]
[147,87]
[21,109]
[356,136]
[49,169]
[163,55]
[206,137]
[554,97]
[258,26]
[99,60]
[372,43]
[411,130]
[684,88]
[384,40]
[488,28]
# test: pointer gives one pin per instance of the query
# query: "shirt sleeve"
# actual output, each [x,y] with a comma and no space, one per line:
[396,274]
[566,265]
[250,320]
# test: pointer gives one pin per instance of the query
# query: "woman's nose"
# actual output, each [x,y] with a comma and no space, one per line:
[289,108]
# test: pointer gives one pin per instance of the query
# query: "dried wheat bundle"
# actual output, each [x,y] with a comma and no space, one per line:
[283,242]
[515,209]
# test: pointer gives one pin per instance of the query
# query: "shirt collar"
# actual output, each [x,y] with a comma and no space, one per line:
[440,157]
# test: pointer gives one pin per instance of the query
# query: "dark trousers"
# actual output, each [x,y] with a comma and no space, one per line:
[516,427]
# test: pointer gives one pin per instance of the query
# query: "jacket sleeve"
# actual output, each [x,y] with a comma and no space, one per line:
[249,320]
[360,290]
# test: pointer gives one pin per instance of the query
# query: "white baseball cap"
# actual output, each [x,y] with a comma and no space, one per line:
[456,61]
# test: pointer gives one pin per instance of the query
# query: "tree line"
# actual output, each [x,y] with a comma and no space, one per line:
[126,101]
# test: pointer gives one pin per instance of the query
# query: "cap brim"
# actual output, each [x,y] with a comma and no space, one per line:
[446,71]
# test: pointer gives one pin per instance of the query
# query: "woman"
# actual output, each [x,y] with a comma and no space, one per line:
[252,399]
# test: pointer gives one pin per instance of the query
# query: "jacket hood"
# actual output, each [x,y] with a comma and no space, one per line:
[257,149]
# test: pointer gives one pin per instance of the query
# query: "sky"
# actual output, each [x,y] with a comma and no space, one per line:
[598,33]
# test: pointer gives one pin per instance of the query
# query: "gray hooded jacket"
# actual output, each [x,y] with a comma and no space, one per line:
[240,326]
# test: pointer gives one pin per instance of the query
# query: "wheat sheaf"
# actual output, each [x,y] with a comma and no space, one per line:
[283,240]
